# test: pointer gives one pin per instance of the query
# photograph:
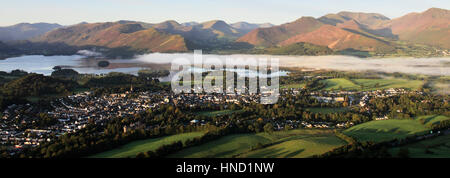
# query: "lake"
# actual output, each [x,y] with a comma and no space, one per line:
[44,64]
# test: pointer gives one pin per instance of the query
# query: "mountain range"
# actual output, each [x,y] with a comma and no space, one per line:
[430,27]
[367,32]
[114,35]
[166,36]
[360,31]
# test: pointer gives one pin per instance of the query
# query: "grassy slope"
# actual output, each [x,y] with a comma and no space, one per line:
[297,85]
[233,145]
[370,84]
[301,146]
[131,149]
[432,119]
[389,83]
[385,130]
[339,82]
[438,147]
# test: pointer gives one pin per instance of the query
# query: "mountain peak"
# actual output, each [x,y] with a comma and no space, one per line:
[359,15]
[215,24]
[276,34]
[305,18]
[170,23]
[435,9]
[430,27]
[437,12]
[367,19]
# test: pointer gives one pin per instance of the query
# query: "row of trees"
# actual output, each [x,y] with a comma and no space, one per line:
[37,85]
[408,106]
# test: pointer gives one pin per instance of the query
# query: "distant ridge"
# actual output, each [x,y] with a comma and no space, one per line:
[25,31]
[368,19]
[430,27]
[247,27]
[356,30]
[336,38]
[273,35]
[115,35]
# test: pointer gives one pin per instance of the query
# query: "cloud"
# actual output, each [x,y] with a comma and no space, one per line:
[89,53]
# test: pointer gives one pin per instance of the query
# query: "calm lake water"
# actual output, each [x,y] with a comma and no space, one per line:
[44,64]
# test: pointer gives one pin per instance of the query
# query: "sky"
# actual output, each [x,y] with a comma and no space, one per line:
[68,12]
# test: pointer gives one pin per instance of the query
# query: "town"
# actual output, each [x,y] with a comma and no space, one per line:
[74,112]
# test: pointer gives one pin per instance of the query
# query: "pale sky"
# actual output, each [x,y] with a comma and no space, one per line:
[67,12]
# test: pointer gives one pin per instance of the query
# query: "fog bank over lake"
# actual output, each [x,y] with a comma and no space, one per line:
[428,66]
[44,64]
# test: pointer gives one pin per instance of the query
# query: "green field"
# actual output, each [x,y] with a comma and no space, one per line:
[432,119]
[371,84]
[386,130]
[300,146]
[327,110]
[438,147]
[131,149]
[217,113]
[296,85]
[234,145]
[336,83]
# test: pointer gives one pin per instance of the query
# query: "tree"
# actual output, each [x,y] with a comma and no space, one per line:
[140,155]
[268,128]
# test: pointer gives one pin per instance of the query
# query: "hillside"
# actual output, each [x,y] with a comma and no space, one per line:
[221,29]
[207,35]
[356,27]
[169,25]
[7,51]
[368,19]
[115,35]
[37,85]
[274,35]
[302,49]
[337,39]
[370,32]
[430,27]
[24,31]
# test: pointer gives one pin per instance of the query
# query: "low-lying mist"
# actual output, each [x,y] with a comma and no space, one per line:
[427,66]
